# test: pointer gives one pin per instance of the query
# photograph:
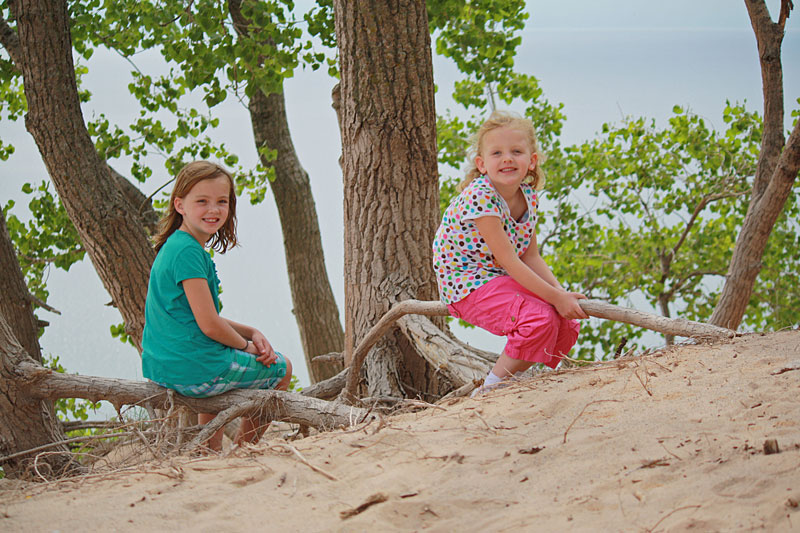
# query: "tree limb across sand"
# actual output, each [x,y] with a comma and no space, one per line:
[42,383]
[461,367]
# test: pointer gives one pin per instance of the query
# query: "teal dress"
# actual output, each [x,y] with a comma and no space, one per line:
[174,348]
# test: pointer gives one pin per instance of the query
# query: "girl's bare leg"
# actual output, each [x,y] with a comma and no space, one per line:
[251,428]
[215,442]
[506,366]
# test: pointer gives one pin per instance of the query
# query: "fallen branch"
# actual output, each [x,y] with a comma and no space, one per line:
[651,529]
[459,363]
[222,418]
[42,383]
[669,326]
[377,331]
[431,345]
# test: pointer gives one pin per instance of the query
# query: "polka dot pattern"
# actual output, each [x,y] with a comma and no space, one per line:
[461,259]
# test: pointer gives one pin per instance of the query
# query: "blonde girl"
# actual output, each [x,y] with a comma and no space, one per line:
[486,258]
[187,346]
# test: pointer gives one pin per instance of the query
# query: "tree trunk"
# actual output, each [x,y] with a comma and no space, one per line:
[391,200]
[314,306]
[26,422]
[108,226]
[775,174]
[15,304]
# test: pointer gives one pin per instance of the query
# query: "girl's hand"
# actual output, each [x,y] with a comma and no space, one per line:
[262,349]
[567,305]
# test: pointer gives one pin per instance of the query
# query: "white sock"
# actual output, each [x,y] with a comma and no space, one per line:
[519,374]
[491,379]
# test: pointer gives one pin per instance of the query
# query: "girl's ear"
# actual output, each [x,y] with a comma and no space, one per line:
[534,159]
[178,203]
[479,165]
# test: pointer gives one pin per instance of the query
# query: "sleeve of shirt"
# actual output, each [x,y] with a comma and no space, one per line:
[190,263]
[480,200]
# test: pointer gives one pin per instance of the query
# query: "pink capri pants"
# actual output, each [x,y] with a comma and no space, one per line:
[533,328]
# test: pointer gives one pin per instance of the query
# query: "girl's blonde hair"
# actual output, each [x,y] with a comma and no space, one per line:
[506,119]
[186,179]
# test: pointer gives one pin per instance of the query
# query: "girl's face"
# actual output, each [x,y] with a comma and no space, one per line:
[506,157]
[205,208]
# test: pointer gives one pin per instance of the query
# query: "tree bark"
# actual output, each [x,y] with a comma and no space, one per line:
[775,174]
[26,421]
[314,305]
[107,224]
[15,304]
[391,211]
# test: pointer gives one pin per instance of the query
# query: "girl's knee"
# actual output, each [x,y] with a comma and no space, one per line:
[284,383]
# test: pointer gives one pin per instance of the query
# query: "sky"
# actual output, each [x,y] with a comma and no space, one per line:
[603,59]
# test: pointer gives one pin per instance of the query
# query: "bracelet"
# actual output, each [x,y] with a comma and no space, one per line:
[246,344]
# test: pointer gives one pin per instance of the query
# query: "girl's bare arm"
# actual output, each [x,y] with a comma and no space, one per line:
[537,277]
[221,329]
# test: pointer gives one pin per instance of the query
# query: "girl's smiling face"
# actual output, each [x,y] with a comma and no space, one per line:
[205,208]
[505,156]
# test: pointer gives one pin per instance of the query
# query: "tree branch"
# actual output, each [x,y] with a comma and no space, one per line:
[786,7]
[697,210]
[681,282]
[669,326]
[377,331]
[42,304]
[10,41]
[39,382]
[769,37]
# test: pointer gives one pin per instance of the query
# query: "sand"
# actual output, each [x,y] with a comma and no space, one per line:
[670,441]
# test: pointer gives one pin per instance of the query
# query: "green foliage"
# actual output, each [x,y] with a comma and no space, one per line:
[213,50]
[70,408]
[294,384]
[49,238]
[321,25]
[651,215]
[118,331]
[482,37]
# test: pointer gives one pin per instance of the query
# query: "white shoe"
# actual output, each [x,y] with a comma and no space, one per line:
[483,389]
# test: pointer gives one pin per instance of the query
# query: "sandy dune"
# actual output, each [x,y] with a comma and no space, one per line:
[671,441]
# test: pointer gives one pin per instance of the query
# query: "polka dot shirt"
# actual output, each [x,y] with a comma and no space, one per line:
[461,258]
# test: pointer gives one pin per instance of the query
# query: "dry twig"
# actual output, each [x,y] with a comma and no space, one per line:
[650,530]
[581,413]
[372,500]
[293,450]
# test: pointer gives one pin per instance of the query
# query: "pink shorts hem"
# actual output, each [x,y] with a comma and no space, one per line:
[534,330]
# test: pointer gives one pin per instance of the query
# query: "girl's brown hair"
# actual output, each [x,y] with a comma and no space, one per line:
[503,119]
[186,179]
